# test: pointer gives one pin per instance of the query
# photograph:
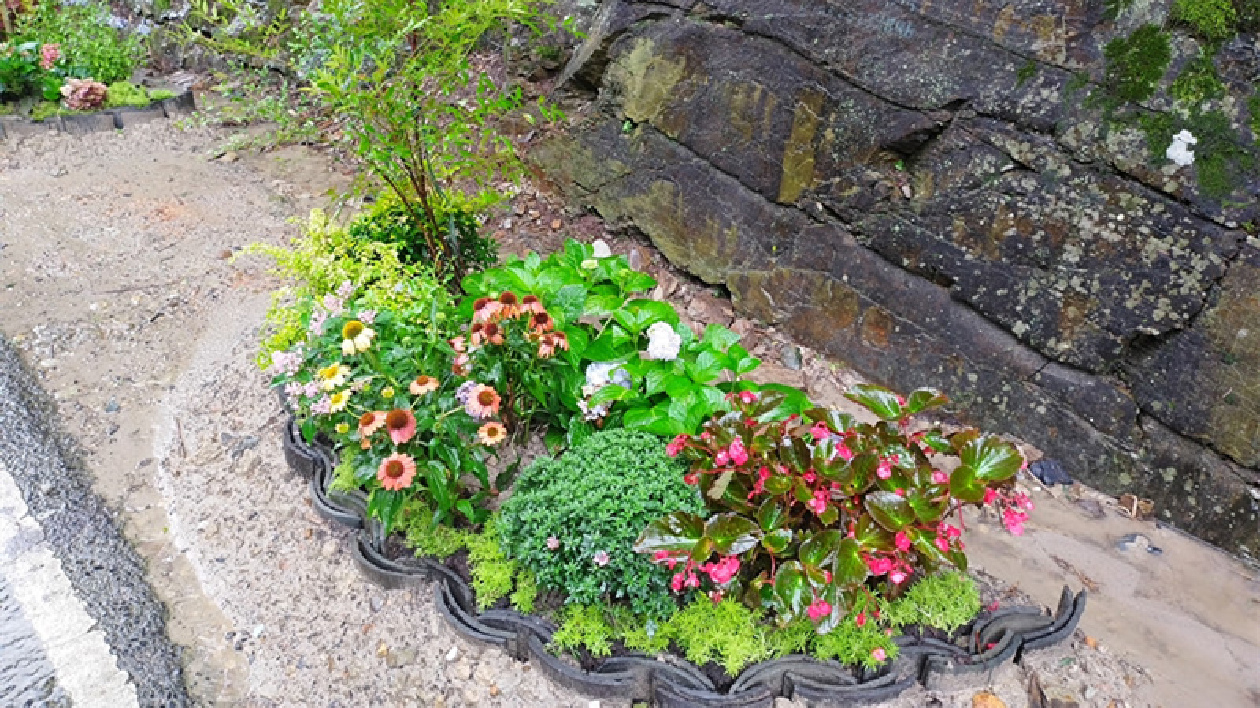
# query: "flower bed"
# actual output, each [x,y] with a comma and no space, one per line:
[777,545]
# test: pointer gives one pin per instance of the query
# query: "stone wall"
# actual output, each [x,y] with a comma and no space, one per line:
[919,189]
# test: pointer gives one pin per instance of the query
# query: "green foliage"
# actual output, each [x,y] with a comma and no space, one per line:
[1253,108]
[1197,82]
[850,644]
[945,601]
[47,109]
[322,258]
[1223,158]
[235,27]
[1025,72]
[492,572]
[1135,65]
[584,626]
[809,516]
[426,537]
[526,591]
[1213,20]
[389,221]
[726,632]
[89,45]
[1248,15]
[126,94]
[594,500]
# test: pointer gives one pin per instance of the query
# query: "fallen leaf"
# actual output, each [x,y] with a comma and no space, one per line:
[1091,642]
[984,699]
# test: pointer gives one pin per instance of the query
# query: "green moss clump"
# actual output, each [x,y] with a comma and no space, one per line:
[584,626]
[1197,82]
[726,632]
[1135,65]
[526,592]
[1222,158]
[850,644]
[1214,20]
[1025,72]
[943,600]
[1253,107]
[124,94]
[47,109]
[161,94]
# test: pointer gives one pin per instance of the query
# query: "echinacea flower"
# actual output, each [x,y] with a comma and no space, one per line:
[460,367]
[422,385]
[509,305]
[459,344]
[333,375]
[483,402]
[531,303]
[485,309]
[369,423]
[491,433]
[401,424]
[541,322]
[396,472]
[493,334]
[355,337]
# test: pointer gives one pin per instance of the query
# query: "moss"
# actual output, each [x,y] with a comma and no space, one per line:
[1197,82]
[1248,15]
[852,645]
[946,601]
[584,626]
[1159,129]
[726,632]
[1135,65]
[161,94]
[121,94]
[1253,107]
[1214,20]
[526,592]
[1222,158]
[1025,72]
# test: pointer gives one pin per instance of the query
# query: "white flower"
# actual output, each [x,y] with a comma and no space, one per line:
[601,373]
[663,342]
[1180,151]
[601,249]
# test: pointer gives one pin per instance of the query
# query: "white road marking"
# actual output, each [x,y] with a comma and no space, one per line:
[86,669]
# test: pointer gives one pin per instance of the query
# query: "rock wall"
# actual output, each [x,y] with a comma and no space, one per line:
[918,188]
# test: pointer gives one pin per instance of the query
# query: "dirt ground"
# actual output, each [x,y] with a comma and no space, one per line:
[118,284]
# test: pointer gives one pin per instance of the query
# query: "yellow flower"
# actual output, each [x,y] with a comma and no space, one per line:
[388,392]
[342,428]
[333,375]
[338,401]
[356,337]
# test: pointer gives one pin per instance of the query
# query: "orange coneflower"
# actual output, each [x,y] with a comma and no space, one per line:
[477,334]
[493,333]
[459,344]
[369,423]
[422,385]
[484,309]
[401,424]
[531,303]
[546,346]
[509,305]
[483,402]
[541,322]
[396,472]
[491,433]
[561,340]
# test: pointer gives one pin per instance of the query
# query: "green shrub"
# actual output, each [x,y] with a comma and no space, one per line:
[389,221]
[1214,20]
[90,45]
[595,500]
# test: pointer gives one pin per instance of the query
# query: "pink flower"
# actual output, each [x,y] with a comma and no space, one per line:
[860,620]
[820,430]
[483,402]
[884,471]
[809,477]
[818,609]
[601,558]
[989,496]
[819,503]
[939,477]
[844,452]
[738,454]
[747,396]
[879,566]
[676,584]
[879,654]
[401,425]
[722,459]
[676,446]
[396,472]
[950,531]
[691,477]
[722,571]
[367,316]
[902,541]
[48,55]
[897,577]
[552,543]
[899,492]
[692,580]
[943,544]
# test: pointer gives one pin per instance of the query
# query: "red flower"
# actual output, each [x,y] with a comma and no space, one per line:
[844,452]
[820,430]
[722,571]
[860,620]
[676,446]
[819,503]
[902,541]
[818,609]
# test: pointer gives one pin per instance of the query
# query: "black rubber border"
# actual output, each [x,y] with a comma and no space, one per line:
[100,121]
[996,641]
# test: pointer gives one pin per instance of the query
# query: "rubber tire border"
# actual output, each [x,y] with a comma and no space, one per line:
[995,641]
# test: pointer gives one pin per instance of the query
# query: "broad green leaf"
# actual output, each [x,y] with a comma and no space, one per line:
[718,337]
[924,398]
[732,533]
[937,441]
[777,540]
[611,392]
[877,400]
[891,511]
[993,460]
[705,368]
[638,282]
[964,485]
[820,549]
[569,301]
[777,484]
[655,380]
[869,534]
[384,505]
[849,569]
[792,588]
[771,515]
[675,532]
[927,511]
[601,304]
[839,422]
[642,418]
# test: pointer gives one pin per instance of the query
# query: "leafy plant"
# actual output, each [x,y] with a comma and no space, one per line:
[389,221]
[946,601]
[1214,20]
[808,516]
[92,48]
[572,520]
[492,572]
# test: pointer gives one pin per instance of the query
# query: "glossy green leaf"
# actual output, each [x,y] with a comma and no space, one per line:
[792,588]
[923,399]
[891,511]
[384,505]
[674,532]
[820,549]
[718,337]
[849,569]
[777,484]
[732,533]
[777,540]
[937,441]
[992,459]
[965,486]
[877,400]
[771,515]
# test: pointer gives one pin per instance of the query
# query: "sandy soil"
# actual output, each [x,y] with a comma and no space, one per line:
[118,285]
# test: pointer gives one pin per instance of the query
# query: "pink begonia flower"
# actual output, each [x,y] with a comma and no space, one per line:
[692,581]
[943,544]
[860,620]
[676,446]
[939,477]
[884,471]
[722,571]
[844,452]
[818,609]
[819,503]
[902,541]
[552,543]
[820,430]
[899,492]
[879,654]
[950,531]
[747,396]
[897,577]
[722,459]
[601,558]
[737,451]
[879,566]
[809,477]
[989,496]
[691,477]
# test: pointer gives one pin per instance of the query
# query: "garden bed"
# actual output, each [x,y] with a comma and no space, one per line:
[993,639]
[104,120]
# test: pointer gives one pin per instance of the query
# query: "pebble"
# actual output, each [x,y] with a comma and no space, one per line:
[792,357]
[112,406]
[984,699]
[453,654]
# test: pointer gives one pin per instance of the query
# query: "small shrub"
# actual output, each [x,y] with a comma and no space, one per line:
[1214,20]
[492,572]
[572,521]
[584,626]
[389,221]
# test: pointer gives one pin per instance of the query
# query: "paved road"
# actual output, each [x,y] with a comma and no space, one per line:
[78,623]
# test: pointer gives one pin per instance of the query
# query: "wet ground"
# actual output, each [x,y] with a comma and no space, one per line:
[118,289]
